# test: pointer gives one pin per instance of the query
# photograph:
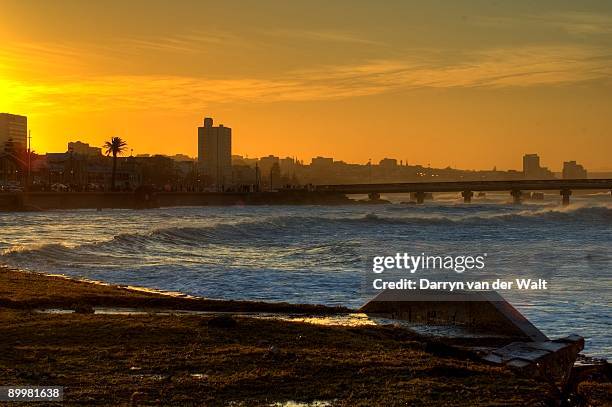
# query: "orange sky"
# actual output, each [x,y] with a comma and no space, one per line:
[471,84]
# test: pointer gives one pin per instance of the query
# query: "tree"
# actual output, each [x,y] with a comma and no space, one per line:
[116,146]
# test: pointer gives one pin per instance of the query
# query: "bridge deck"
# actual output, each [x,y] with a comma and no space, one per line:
[458,186]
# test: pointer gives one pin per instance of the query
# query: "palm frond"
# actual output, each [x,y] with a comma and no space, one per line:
[115,146]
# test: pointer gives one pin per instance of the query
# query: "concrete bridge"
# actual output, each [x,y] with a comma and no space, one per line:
[467,188]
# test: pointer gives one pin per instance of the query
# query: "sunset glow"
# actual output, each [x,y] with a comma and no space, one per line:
[356,82]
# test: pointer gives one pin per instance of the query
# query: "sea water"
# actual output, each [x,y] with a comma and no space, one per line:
[320,254]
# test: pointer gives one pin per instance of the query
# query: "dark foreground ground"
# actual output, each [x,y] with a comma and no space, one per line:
[189,360]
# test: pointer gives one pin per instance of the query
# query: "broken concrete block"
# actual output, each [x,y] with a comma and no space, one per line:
[550,360]
[481,311]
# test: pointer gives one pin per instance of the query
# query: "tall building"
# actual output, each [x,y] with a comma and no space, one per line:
[532,168]
[215,154]
[531,165]
[13,133]
[572,170]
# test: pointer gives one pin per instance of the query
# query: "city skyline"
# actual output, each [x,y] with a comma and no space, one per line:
[215,142]
[473,85]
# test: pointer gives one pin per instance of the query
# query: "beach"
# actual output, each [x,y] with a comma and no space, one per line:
[152,354]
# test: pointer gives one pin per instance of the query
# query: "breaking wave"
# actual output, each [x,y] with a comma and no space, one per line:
[318,254]
[282,230]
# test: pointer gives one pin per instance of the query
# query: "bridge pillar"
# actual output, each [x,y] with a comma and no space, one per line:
[467,196]
[565,196]
[517,195]
[420,197]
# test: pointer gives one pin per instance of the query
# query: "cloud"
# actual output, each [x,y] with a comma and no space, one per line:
[196,41]
[495,68]
[576,23]
[580,22]
[324,36]
[189,42]
[45,59]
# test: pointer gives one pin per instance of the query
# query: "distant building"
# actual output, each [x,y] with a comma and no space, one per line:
[532,168]
[77,147]
[275,176]
[265,167]
[13,133]
[240,160]
[81,172]
[181,158]
[215,153]
[244,175]
[287,165]
[531,164]
[572,170]
[388,163]
[322,162]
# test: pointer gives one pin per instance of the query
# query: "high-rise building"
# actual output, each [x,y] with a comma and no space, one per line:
[531,165]
[215,154]
[532,168]
[572,170]
[13,133]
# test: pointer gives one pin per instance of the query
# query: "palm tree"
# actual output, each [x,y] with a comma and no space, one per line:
[115,146]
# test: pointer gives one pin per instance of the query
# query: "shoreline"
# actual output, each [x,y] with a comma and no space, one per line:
[37,290]
[193,359]
[41,201]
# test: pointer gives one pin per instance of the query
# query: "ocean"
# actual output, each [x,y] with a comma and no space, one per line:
[320,254]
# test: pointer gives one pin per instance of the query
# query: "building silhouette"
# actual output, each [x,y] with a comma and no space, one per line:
[266,164]
[388,163]
[215,154]
[572,170]
[532,168]
[531,164]
[78,147]
[13,133]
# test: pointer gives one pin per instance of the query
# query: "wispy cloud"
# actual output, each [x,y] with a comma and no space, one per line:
[580,22]
[44,59]
[188,42]
[572,22]
[497,68]
[194,42]
[324,36]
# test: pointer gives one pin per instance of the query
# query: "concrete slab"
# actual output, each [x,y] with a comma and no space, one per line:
[482,311]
